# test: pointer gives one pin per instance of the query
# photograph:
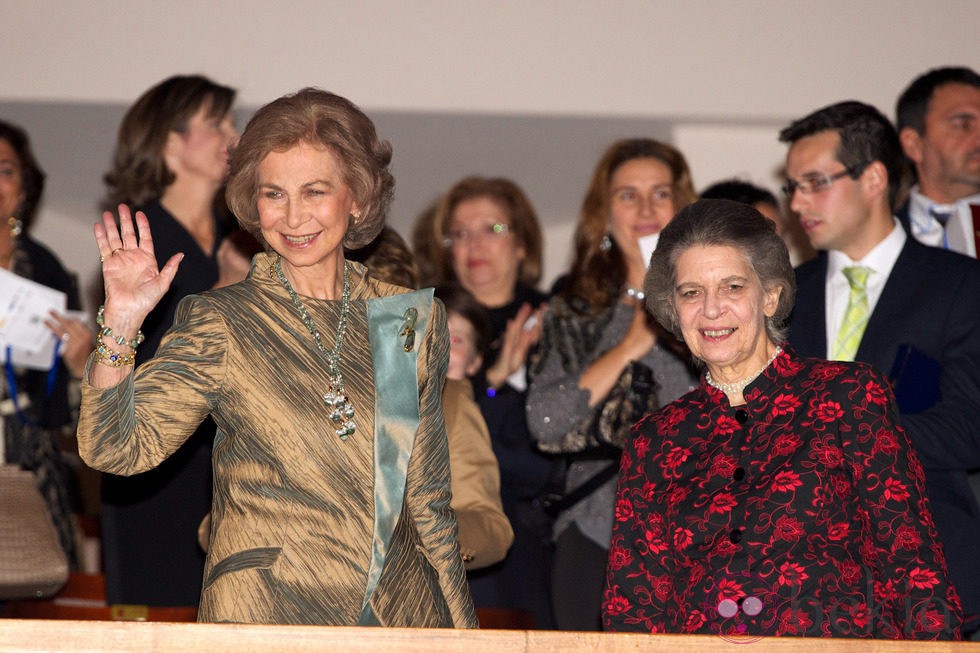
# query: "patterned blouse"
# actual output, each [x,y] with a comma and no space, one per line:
[802,512]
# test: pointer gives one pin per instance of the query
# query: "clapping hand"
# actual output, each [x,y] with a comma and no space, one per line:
[640,337]
[522,332]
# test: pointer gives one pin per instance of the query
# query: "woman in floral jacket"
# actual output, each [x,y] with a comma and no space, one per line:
[782,496]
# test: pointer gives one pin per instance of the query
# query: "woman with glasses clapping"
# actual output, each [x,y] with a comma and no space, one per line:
[484,235]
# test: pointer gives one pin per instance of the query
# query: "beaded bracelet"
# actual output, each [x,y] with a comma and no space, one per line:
[120,340]
[106,356]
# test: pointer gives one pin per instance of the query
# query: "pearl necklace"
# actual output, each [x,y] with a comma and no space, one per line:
[735,389]
[340,409]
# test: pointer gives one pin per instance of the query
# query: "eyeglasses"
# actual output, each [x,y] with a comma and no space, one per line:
[484,232]
[813,183]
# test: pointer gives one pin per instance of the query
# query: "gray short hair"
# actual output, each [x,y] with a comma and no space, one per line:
[720,223]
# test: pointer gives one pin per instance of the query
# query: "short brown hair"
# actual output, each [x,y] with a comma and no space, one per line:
[720,223]
[139,172]
[321,119]
[509,196]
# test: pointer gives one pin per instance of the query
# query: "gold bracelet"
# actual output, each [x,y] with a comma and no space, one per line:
[104,355]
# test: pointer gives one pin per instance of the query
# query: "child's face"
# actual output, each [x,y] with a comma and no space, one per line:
[464,361]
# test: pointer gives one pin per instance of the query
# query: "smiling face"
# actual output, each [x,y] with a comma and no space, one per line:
[304,210]
[641,203]
[201,150]
[486,261]
[722,307]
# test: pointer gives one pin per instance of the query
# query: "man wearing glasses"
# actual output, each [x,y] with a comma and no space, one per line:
[876,295]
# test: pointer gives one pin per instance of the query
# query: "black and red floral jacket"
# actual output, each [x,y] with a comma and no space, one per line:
[802,512]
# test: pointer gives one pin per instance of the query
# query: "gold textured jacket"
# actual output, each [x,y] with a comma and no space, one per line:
[485,533]
[306,528]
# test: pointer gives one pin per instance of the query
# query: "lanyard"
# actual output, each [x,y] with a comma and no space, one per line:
[48,386]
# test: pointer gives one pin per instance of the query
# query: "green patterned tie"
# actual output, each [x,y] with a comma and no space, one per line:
[856,315]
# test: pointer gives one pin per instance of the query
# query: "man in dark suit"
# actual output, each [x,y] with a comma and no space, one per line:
[915,313]
[939,127]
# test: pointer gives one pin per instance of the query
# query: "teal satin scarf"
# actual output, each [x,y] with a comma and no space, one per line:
[393,323]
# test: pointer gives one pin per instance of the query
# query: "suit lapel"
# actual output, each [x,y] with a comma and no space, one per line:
[808,331]
[878,345]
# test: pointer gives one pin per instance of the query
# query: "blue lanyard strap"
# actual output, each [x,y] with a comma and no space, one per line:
[12,380]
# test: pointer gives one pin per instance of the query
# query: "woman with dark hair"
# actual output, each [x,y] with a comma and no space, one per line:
[170,162]
[487,239]
[759,198]
[34,404]
[331,466]
[601,363]
[781,496]
[763,201]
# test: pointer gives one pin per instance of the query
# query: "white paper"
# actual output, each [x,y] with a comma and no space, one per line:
[24,305]
[648,244]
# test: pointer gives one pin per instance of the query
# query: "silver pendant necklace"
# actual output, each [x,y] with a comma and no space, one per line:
[340,408]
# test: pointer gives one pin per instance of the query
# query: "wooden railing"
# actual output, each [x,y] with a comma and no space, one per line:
[23,635]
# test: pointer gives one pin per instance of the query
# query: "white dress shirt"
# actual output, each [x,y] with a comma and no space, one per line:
[959,229]
[881,260]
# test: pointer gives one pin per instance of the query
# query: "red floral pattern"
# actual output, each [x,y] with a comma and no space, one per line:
[805,508]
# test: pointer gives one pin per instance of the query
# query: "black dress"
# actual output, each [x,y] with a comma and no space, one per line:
[149,521]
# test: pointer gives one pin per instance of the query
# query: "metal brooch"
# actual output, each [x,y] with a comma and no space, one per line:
[408,329]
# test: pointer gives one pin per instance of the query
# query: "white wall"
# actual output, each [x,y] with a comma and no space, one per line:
[717,77]
[709,58]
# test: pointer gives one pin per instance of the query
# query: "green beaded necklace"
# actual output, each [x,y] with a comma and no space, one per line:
[341,409]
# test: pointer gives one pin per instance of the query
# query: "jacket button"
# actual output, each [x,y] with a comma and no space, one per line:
[738,474]
[735,536]
[741,416]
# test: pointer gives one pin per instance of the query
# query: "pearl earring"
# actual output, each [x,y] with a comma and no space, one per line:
[605,244]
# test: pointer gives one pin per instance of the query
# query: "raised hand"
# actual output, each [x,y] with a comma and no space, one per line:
[522,332]
[133,283]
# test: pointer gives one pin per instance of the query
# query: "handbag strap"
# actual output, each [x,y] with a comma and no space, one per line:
[589,486]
